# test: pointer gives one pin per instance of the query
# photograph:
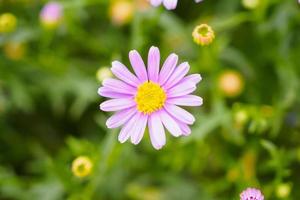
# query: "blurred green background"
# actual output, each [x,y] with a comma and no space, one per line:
[49,107]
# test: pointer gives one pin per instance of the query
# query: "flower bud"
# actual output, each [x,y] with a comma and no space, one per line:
[203,34]
[82,166]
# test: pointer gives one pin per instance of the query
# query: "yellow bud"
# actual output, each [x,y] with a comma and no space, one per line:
[283,190]
[103,73]
[121,12]
[8,23]
[250,4]
[82,166]
[203,34]
[231,83]
[14,50]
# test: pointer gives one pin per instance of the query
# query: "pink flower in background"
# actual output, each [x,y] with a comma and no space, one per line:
[169,4]
[251,194]
[150,97]
[51,14]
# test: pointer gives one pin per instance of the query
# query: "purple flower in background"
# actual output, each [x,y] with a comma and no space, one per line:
[251,194]
[51,14]
[150,97]
[169,4]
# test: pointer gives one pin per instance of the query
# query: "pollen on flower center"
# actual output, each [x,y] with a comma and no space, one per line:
[150,97]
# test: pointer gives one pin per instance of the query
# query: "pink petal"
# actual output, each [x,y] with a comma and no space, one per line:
[181,89]
[153,64]
[156,131]
[179,114]
[186,130]
[170,124]
[106,92]
[127,128]
[139,129]
[138,65]
[117,104]
[168,68]
[195,78]
[170,4]
[122,72]
[178,75]
[118,86]
[121,117]
[187,100]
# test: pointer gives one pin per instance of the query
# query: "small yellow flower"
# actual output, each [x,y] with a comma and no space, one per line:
[14,50]
[121,12]
[283,190]
[82,166]
[103,73]
[203,34]
[8,23]
[231,83]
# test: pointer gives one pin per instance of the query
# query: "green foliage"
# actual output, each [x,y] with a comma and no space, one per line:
[49,111]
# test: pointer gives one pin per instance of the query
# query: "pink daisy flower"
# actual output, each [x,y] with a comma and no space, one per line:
[150,98]
[169,4]
[251,194]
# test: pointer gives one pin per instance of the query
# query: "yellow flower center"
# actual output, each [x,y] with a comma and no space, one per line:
[150,97]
